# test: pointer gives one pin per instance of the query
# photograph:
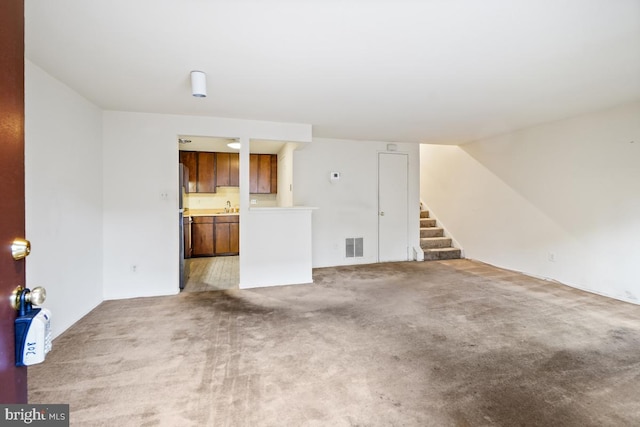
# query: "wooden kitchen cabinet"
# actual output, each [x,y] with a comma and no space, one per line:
[206,172]
[202,171]
[215,235]
[190,161]
[253,173]
[202,237]
[274,174]
[227,169]
[263,173]
[227,235]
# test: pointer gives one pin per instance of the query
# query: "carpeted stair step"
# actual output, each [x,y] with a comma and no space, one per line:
[431,232]
[435,245]
[441,253]
[435,242]
[427,222]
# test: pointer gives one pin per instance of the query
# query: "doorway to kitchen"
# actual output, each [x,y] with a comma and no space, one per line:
[210,217]
[210,186]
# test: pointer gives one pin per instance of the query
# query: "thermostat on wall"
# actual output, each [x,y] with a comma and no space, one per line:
[334,176]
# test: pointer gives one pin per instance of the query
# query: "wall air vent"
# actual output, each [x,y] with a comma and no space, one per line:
[353,247]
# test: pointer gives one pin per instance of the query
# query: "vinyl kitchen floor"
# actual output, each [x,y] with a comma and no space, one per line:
[213,273]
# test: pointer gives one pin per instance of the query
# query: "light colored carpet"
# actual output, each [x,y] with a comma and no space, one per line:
[450,343]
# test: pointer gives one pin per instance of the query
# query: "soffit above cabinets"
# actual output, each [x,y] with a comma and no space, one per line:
[219,145]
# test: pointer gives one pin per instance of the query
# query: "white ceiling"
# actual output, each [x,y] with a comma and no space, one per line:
[439,71]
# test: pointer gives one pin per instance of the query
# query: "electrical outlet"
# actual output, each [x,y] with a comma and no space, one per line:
[134,268]
[552,257]
[254,202]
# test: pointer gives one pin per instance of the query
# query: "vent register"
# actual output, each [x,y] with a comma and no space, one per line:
[353,247]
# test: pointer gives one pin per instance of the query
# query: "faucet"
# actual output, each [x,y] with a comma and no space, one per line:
[228,208]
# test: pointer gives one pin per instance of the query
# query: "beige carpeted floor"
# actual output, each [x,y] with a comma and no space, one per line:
[452,343]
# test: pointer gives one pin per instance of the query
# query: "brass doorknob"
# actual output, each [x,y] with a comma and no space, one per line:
[20,248]
[35,296]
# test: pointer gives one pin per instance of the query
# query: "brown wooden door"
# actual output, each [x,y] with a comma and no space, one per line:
[206,172]
[13,380]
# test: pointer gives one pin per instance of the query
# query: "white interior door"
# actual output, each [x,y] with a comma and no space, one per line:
[392,206]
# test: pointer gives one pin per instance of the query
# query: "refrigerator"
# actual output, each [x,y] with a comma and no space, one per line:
[184,266]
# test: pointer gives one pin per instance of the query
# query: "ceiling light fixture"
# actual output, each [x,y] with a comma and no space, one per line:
[198,84]
[234,145]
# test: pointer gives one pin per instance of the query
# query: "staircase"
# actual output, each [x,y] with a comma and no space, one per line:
[432,241]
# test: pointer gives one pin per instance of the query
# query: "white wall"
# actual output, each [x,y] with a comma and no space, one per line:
[559,201]
[277,247]
[348,208]
[285,175]
[63,174]
[141,193]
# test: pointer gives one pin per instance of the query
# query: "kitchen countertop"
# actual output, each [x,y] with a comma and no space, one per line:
[208,212]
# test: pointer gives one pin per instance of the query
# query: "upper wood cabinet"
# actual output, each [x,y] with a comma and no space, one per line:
[227,169]
[190,160]
[210,170]
[202,171]
[274,174]
[253,173]
[263,173]
[206,172]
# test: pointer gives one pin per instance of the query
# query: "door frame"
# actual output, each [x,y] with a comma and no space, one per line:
[405,204]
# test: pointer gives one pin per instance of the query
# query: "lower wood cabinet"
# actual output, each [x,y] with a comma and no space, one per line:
[202,236]
[215,235]
[227,235]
